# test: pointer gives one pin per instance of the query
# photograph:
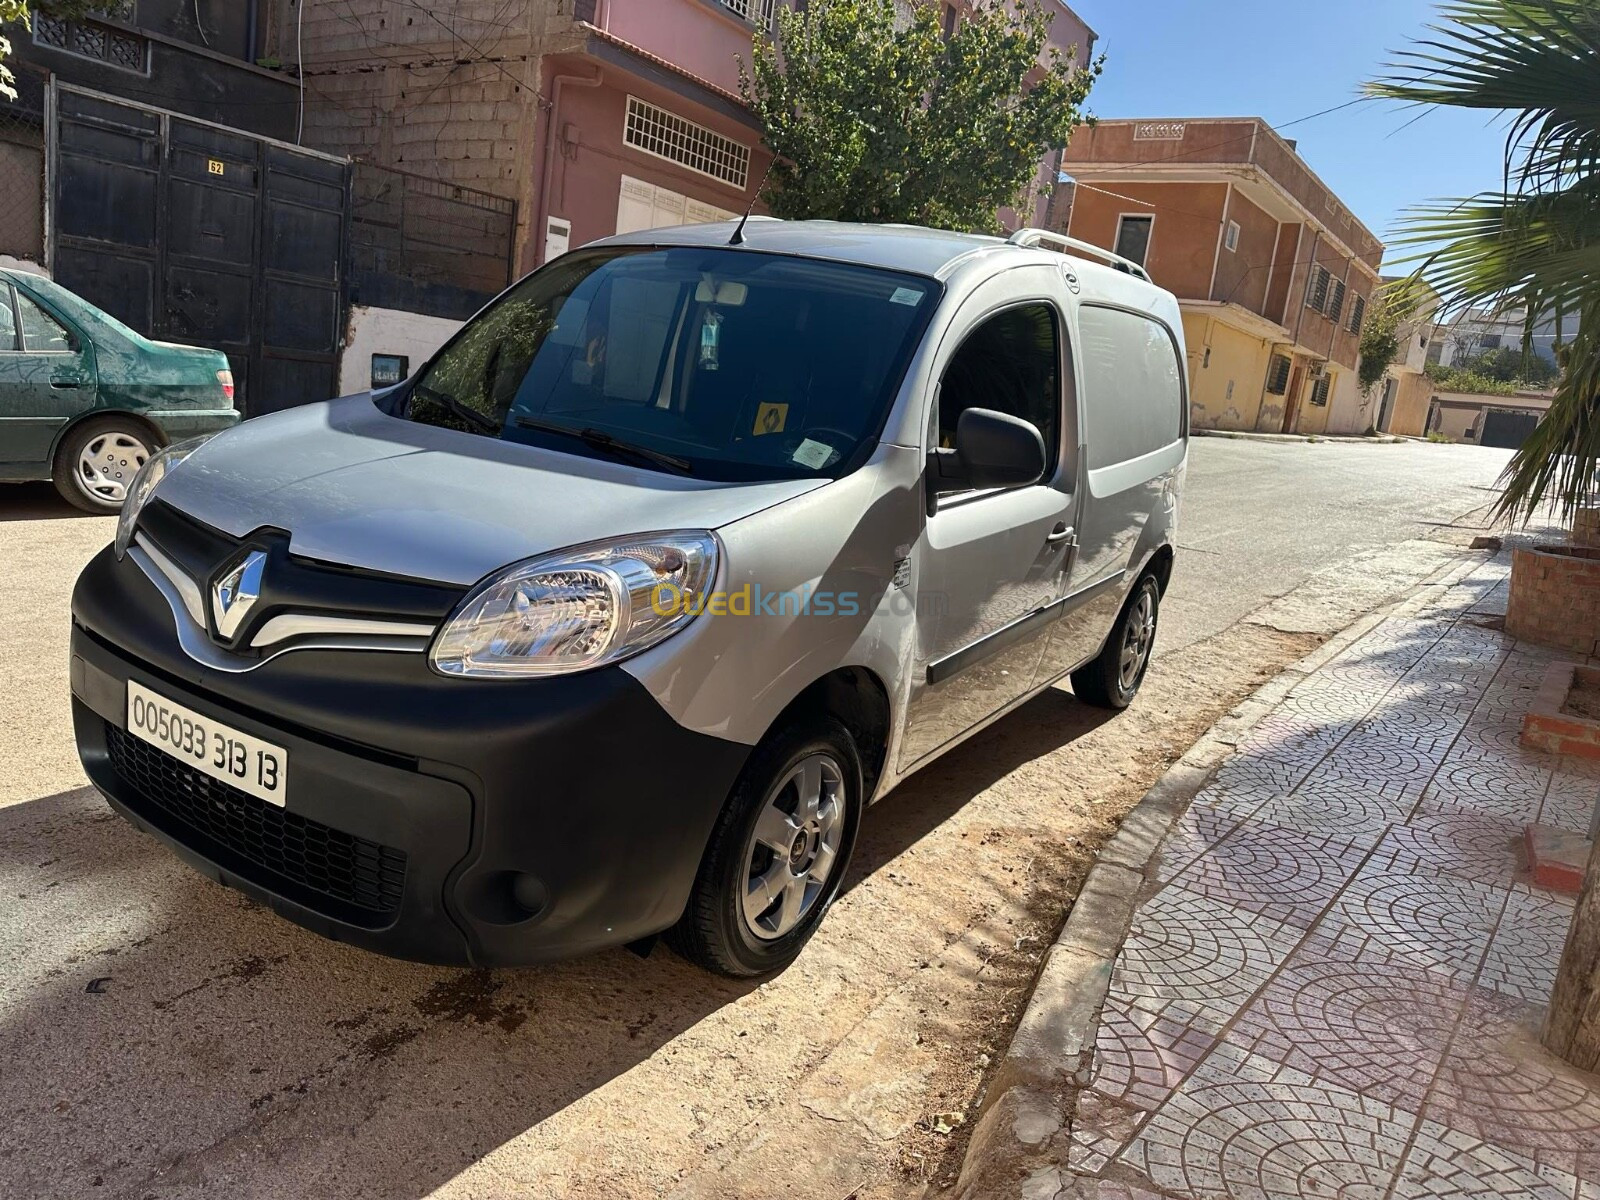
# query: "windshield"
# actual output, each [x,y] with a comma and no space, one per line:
[720,363]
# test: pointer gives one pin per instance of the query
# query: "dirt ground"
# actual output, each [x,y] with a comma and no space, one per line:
[163,1037]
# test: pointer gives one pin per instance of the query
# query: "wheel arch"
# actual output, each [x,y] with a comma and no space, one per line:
[857,698]
[158,440]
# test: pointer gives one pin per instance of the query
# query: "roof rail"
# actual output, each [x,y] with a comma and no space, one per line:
[1029,238]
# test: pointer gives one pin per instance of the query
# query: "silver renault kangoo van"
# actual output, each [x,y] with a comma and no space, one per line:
[617,617]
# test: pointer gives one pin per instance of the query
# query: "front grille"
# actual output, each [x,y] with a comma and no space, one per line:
[314,857]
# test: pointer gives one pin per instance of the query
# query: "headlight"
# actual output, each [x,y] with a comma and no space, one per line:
[579,608]
[155,469]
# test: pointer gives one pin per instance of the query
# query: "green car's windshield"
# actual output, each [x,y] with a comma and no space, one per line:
[721,363]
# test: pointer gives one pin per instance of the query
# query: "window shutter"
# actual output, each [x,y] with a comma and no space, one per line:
[1336,296]
[1358,316]
[1278,375]
[1319,394]
[1317,288]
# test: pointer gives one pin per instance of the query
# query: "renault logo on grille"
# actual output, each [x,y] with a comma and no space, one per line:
[236,593]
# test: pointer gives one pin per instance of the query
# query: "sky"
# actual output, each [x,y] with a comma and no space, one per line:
[1284,61]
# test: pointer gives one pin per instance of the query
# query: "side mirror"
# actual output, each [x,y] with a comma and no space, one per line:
[993,450]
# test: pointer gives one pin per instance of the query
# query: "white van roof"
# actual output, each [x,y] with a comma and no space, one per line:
[910,248]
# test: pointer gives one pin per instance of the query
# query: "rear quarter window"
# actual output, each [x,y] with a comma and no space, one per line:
[1133,385]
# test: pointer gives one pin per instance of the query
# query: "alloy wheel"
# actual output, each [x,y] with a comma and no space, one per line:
[1138,636]
[792,851]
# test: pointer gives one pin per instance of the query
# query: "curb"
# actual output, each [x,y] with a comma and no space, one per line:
[1384,439]
[1019,1141]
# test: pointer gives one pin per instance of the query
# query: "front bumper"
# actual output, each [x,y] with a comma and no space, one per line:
[491,823]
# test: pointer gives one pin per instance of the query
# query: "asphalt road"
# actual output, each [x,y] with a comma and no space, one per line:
[162,1037]
[1259,519]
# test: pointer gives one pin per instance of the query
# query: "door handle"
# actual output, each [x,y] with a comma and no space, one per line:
[1061,533]
[66,384]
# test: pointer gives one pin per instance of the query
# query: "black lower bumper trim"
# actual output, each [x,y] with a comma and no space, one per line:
[350,877]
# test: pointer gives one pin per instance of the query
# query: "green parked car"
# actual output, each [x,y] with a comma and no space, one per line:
[84,400]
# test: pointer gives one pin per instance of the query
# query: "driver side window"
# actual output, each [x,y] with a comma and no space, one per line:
[1010,364]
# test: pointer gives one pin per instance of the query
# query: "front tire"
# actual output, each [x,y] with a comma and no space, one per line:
[777,855]
[1113,680]
[97,461]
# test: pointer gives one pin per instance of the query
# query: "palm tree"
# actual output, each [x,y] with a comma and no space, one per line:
[1535,242]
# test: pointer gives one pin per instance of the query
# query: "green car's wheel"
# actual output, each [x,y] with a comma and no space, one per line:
[97,461]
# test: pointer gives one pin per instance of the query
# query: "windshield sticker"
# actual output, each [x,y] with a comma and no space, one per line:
[813,454]
[771,418]
[906,296]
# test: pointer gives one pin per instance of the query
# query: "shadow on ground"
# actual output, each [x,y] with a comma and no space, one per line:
[35,502]
[159,1033]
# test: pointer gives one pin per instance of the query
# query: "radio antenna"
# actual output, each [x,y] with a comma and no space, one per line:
[738,234]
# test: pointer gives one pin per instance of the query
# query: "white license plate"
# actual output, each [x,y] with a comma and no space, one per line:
[236,758]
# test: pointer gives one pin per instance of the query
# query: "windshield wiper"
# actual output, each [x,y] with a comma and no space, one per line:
[459,410]
[601,440]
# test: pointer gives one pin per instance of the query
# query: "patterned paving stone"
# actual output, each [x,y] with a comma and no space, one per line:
[1330,803]
[1374,1027]
[1196,960]
[1367,756]
[1439,922]
[1294,736]
[1498,1085]
[1140,1058]
[1243,1128]
[1322,700]
[1208,819]
[1574,792]
[1445,1163]
[1498,785]
[1479,846]
[1244,780]
[1526,949]
[1285,875]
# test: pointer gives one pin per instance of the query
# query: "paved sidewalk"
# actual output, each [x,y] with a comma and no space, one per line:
[1337,988]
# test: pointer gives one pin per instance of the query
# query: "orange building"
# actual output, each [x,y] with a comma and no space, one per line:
[1274,273]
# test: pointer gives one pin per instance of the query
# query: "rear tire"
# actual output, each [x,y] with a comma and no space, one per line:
[1113,679]
[777,855]
[97,460]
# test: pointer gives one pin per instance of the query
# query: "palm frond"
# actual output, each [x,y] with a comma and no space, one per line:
[1537,58]
[1559,461]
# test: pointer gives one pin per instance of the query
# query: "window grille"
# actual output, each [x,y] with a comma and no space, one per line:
[667,135]
[87,39]
[1319,393]
[1278,375]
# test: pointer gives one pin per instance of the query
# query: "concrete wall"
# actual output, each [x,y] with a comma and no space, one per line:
[1244,273]
[1226,385]
[703,37]
[586,177]
[1410,415]
[1349,410]
[387,331]
[1183,239]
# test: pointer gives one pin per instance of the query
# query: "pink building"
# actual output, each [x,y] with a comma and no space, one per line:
[594,116]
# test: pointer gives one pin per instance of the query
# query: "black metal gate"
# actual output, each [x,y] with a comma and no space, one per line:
[1507,429]
[198,233]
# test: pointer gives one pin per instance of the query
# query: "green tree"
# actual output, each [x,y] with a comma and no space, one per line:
[878,119]
[1397,304]
[1535,240]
